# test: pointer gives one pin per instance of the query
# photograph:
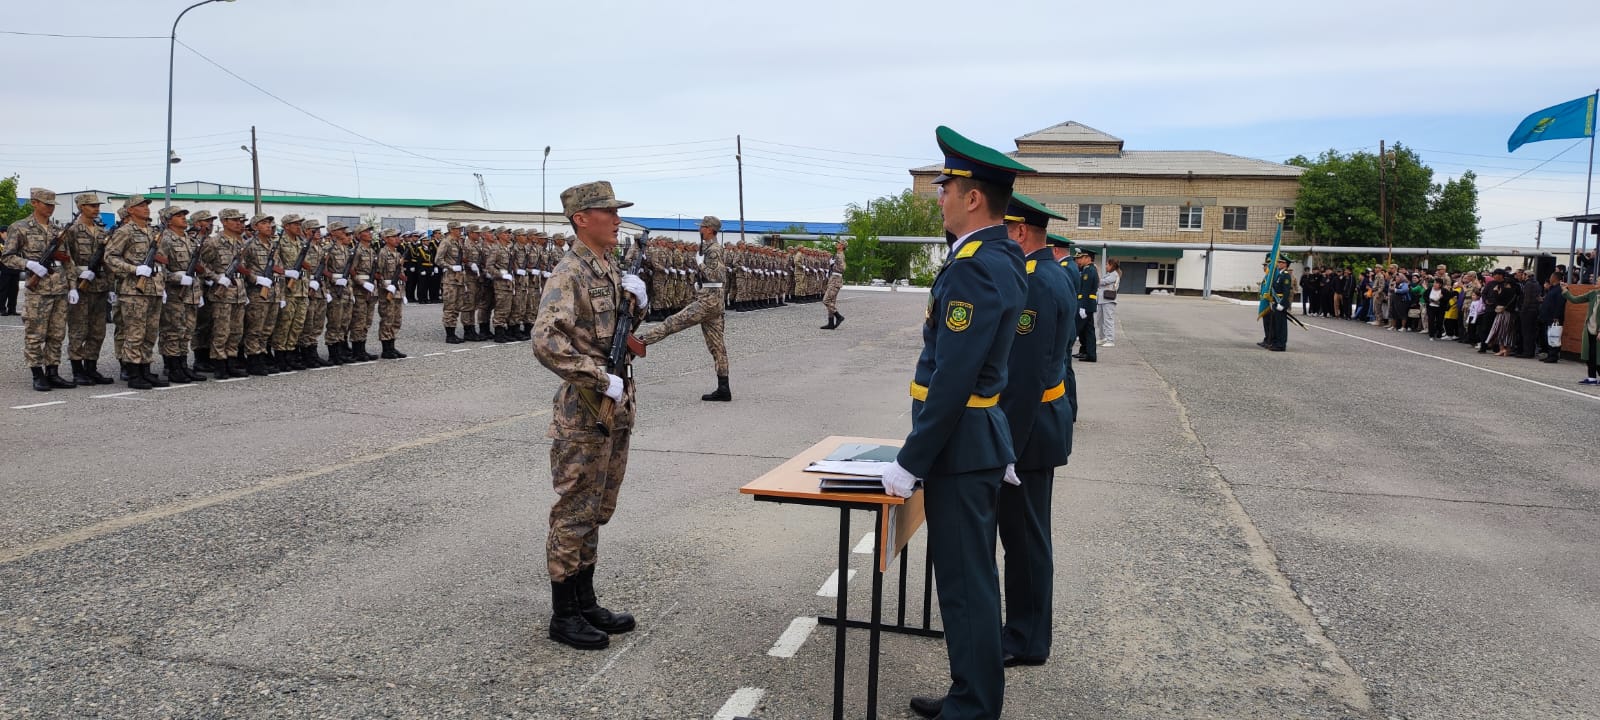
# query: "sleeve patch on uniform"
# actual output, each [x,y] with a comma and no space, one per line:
[958,316]
[1025,323]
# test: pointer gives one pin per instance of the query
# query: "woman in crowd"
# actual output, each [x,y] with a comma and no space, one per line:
[1364,298]
[1588,348]
[1107,314]
[1399,302]
[1439,299]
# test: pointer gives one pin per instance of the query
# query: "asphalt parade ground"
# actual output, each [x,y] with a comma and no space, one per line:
[1371,525]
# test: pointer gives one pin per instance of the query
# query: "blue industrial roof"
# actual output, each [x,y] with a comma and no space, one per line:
[688,224]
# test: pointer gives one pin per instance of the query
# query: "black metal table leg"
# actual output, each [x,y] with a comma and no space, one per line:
[927,588]
[905,560]
[841,608]
[873,634]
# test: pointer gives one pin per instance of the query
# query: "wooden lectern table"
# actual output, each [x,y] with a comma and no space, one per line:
[897,520]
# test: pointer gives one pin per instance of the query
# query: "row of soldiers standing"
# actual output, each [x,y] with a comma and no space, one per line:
[492,278]
[758,276]
[247,300]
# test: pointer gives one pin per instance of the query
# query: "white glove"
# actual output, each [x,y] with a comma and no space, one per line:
[1011,475]
[111,297]
[202,301]
[521,272]
[185,279]
[141,271]
[614,389]
[341,282]
[369,287]
[327,297]
[898,481]
[264,281]
[224,281]
[404,301]
[455,268]
[37,269]
[292,273]
[283,304]
[316,285]
[389,288]
[87,275]
[474,266]
[505,276]
[72,296]
[1083,313]
[546,273]
[163,296]
[699,260]
[634,284]
[1282,308]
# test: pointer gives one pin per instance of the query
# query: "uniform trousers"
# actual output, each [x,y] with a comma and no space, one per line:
[86,325]
[260,317]
[291,320]
[484,301]
[1086,337]
[361,307]
[1023,513]
[338,319]
[316,320]
[138,323]
[389,314]
[961,538]
[227,329]
[44,328]
[202,327]
[586,470]
[177,328]
[705,311]
[830,299]
[504,302]
[453,297]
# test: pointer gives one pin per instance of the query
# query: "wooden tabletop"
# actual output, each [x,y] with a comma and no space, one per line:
[790,480]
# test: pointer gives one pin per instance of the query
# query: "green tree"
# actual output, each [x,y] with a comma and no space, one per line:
[905,214]
[10,211]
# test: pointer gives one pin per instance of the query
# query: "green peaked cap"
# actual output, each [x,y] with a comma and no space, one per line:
[1024,209]
[1058,241]
[968,159]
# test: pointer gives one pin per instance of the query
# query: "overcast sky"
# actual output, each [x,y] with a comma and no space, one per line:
[834,100]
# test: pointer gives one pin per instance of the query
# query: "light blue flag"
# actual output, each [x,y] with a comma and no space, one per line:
[1272,272]
[1566,121]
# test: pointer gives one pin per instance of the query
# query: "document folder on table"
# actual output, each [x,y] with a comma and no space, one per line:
[851,484]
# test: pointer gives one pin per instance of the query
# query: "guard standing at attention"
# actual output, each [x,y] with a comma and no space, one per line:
[1277,297]
[35,245]
[1088,302]
[139,281]
[1061,249]
[705,310]
[960,443]
[1040,419]
[593,414]
[86,321]
[391,267]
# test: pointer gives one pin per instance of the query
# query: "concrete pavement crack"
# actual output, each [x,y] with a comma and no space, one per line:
[1403,496]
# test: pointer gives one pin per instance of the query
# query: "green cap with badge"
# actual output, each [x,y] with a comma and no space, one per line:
[967,159]
[1026,210]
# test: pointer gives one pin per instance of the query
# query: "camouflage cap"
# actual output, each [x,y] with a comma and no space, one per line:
[200,216]
[310,224]
[167,213]
[260,218]
[134,201]
[387,232]
[542,235]
[711,221]
[453,225]
[86,199]
[336,226]
[365,227]
[232,214]
[41,195]
[596,195]
[472,228]
[291,219]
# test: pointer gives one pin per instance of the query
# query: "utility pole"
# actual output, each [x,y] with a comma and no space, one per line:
[1538,234]
[255,168]
[738,156]
[1383,212]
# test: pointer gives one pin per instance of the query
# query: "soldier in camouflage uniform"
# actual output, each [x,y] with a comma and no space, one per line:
[470,251]
[86,320]
[521,262]
[706,310]
[341,255]
[200,225]
[484,301]
[391,268]
[830,298]
[314,286]
[261,315]
[182,296]
[363,295]
[497,276]
[593,413]
[292,313]
[139,290]
[51,272]
[225,295]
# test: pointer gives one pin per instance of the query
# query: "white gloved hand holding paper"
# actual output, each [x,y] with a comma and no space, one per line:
[614,389]
[898,481]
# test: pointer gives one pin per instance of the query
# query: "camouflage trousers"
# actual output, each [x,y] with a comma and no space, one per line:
[389,316]
[469,299]
[338,320]
[830,299]
[705,311]
[260,317]
[227,329]
[361,317]
[587,472]
[316,320]
[138,323]
[452,304]
[485,301]
[177,328]
[291,320]
[202,327]
[504,303]
[86,325]
[44,324]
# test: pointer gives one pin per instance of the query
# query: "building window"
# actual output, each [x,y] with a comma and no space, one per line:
[1132,217]
[1288,218]
[1190,218]
[1166,274]
[1088,216]
[1235,218]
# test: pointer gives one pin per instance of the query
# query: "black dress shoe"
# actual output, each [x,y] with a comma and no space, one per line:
[1015,660]
[928,707]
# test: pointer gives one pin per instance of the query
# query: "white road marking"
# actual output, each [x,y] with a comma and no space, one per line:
[325,367]
[233,380]
[830,588]
[177,386]
[1462,364]
[635,641]
[117,394]
[287,372]
[790,641]
[744,700]
[38,405]
[435,354]
[462,350]
[869,543]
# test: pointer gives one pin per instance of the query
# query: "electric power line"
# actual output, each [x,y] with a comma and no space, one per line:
[83,37]
[1540,165]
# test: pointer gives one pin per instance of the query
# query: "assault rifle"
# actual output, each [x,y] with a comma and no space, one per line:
[152,258]
[624,347]
[52,253]
[270,269]
[98,260]
[300,262]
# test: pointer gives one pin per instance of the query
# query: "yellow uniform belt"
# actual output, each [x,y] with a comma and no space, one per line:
[920,392]
[1054,393]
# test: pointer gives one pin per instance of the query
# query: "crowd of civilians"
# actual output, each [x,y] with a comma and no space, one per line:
[1504,311]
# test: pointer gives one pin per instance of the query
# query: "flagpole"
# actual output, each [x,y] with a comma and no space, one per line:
[1588,184]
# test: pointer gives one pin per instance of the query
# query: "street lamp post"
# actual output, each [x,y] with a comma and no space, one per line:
[542,195]
[172,52]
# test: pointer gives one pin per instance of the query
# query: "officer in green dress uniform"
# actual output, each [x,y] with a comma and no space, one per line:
[1061,249]
[1278,307]
[960,443]
[1088,302]
[1040,419]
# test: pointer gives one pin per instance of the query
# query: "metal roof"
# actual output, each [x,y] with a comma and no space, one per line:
[312,200]
[1070,131]
[691,224]
[1149,162]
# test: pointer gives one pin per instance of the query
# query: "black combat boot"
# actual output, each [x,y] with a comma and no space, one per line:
[152,378]
[451,337]
[838,319]
[52,375]
[527,331]
[174,369]
[314,358]
[485,332]
[388,351]
[123,373]
[500,335]
[601,618]
[79,377]
[397,354]
[567,624]
[236,367]
[194,375]
[93,372]
[202,361]
[470,333]
[39,381]
[722,393]
[292,357]
[336,353]
[831,324]
[258,365]
[135,378]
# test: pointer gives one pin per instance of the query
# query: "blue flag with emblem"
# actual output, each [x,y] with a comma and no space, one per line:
[1272,271]
[1569,120]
